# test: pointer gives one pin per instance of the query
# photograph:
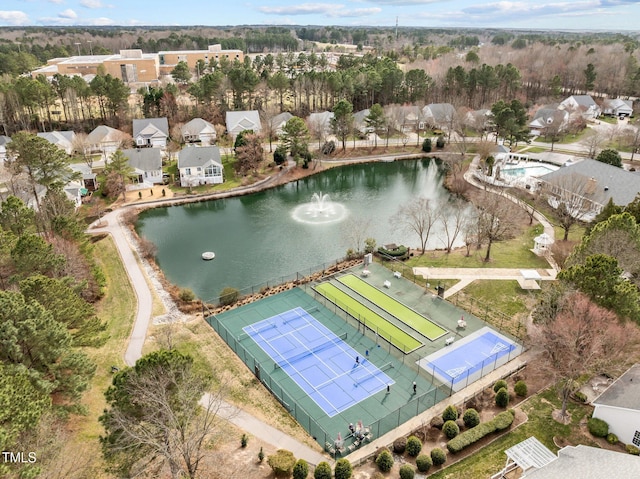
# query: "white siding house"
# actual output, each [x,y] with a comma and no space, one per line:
[200,166]
[146,163]
[238,121]
[619,406]
[199,131]
[151,132]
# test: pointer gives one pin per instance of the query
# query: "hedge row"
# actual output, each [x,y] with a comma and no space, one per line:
[498,423]
[396,253]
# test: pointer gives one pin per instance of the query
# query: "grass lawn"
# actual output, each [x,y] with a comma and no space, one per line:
[514,253]
[505,296]
[491,458]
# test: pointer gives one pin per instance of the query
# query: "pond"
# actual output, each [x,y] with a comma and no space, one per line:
[295,227]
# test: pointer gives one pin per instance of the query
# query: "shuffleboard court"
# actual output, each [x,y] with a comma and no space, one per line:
[387,330]
[322,364]
[394,307]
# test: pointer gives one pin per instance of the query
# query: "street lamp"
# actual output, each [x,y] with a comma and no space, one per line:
[78,45]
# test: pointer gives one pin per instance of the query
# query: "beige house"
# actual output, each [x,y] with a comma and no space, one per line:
[169,59]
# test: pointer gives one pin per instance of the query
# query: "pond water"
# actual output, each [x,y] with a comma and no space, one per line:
[292,228]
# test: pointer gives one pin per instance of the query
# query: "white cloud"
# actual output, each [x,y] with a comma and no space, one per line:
[57,2]
[92,4]
[326,9]
[406,2]
[68,13]
[13,17]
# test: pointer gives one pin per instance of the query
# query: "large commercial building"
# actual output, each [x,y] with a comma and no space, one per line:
[133,66]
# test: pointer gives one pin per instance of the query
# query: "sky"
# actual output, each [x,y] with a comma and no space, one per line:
[612,15]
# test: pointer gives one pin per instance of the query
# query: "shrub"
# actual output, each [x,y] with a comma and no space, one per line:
[400,445]
[502,398]
[612,438]
[379,451]
[598,427]
[450,429]
[466,438]
[301,469]
[423,463]
[501,383]
[438,456]
[244,440]
[396,253]
[282,462]
[407,472]
[520,388]
[631,449]
[414,446]
[323,471]
[384,461]
[280,155]
[343,469]
[450,413]
[437,422]
[471,418]
[328,147]
[377,475]
[369,245]
[580,396]
[261,457]
[229,295]
[426,145]
[187,295]
[440,142]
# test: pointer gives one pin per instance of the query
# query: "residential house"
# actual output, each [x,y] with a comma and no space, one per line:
[549,119]
[146,163]
[439,115]
[199,166]
[582,105]
[150,132]
[4,141]
[62,139]
[619,407]
[359,122]
[405,118]
[478,120]
[89,178]
[536,461]
[199,131]
[617,107]
[320,122]
[238,121]
[589,184]
[105,140]
[277,122]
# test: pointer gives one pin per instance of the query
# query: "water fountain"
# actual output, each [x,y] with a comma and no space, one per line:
[320,210]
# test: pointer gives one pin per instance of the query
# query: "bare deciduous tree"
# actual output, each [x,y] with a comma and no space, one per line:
[593,143]
[571,195]
[356,230]
[573,342]
[496,220]
[417,216]
[454,218]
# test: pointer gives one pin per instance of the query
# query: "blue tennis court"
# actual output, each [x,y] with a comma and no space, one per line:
[470,358]
[322,364]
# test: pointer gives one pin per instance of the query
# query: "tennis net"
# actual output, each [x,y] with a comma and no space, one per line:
[320,347]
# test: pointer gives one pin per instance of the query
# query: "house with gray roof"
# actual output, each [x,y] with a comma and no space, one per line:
[549,118]
[200,166]
[439,115]
[105,140]
[62,139]
[199,131]
[146,163]
[4,141]
[593,183]
[277,122]
[619,407]
[320,122]
[617,107]
[359,121]
[582,105]
[238,121]
[150,132]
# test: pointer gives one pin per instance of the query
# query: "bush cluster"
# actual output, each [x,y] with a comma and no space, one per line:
[384,461]
[520,388]
[426,145]
[407,472]
[471,418]
[631,449]
[598,427]
[414,446]
[450,413]
[228,296]
[438,456]
[450,429]
[396,253]
[580,396]
[343,469]
[423,463]
[612,438]
[400,445]
[301,469]
[437,422]
[498,423]
[502,397]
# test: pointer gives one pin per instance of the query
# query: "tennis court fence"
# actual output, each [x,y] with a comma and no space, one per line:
[415,406]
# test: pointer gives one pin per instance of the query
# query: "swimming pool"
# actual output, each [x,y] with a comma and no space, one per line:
[471,358]
[519,172]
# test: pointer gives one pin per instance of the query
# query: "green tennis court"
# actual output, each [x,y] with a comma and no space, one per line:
[389,331]
[394,307]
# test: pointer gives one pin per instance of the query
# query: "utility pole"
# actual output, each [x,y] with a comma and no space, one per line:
[396,27]
[90,46]
[78,45]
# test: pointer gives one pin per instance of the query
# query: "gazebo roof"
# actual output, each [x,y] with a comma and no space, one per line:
[530,453]
[543,239]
